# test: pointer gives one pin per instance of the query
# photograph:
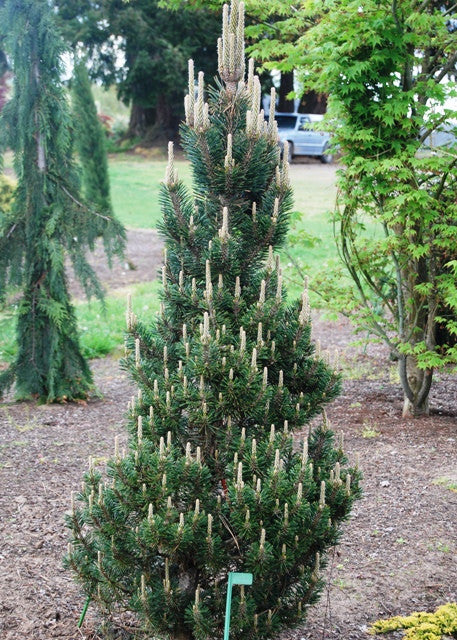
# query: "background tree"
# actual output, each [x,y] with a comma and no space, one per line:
[388,69]
[3,89]
[142,49]
[3,71]
[4,77]
[90,142]
[47,219]
[211,482]
[275,33]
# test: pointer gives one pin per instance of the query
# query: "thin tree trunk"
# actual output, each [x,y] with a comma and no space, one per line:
[41,157]
[141,119]
[153,124]
[3,89]
[287,85]
[416,385]
[313,102]
[417,320]
[3,62]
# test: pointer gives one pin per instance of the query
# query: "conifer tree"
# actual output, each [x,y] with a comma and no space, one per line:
[47,220]
[212,481]
[90,142]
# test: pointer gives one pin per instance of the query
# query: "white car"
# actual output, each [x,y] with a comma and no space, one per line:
[303,138]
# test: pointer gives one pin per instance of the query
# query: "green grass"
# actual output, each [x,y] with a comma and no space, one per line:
[135,184]
[7,335]
[101,331]
[447,483]
[311,244]
[135,190]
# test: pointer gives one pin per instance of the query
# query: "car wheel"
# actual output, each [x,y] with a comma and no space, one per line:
[326,158]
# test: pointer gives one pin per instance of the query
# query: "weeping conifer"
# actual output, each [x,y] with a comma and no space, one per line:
[213,480]
[48,219]
[90,142]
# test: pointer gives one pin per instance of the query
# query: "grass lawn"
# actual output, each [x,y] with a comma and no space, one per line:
[135,189]
[100,331]
[135,184]
[311,243]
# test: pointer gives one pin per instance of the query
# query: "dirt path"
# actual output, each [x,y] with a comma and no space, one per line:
[142,260]
[397,553]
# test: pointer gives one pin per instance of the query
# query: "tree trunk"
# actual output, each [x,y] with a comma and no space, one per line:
[313,102]
[417,324]
[153,124]
[165,125]
[3,63]
[286,86]
[3,89]
[416,385]
[141,119]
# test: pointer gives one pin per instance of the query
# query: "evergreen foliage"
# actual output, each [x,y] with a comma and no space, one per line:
[47,219]
[90,143]
[422,625]
[212,481]
[156,44]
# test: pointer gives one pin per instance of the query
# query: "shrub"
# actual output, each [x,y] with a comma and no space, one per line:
[422,625]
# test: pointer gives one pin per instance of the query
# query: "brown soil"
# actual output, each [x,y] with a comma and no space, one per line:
[397,553]
[143,257]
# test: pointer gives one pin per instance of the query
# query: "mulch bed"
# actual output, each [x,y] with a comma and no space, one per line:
[398,550]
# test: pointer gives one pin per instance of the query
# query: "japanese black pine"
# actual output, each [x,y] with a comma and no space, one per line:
[47,220]
[213,480]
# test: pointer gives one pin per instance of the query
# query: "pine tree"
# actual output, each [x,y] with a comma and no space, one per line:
[90,142]
[48,220]
[212,481]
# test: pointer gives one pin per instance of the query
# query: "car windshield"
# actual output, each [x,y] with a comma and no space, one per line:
[286,122]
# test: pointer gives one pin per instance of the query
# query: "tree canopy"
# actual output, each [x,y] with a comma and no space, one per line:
[388,68]
[143,49]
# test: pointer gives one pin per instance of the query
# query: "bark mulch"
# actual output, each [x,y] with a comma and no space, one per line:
[397,553]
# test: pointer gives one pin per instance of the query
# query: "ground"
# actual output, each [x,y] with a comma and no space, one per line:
[397,553]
